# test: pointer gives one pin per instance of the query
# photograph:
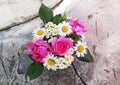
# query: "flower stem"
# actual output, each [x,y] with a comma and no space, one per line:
[78,74]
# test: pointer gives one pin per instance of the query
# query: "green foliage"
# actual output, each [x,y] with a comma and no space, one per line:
[58,19]
[35,70]
[76,38]
[45,13]
[64,17]
[87,57]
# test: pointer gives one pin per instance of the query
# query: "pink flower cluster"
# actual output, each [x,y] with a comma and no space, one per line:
[40,49]
[59,45]
[77,26]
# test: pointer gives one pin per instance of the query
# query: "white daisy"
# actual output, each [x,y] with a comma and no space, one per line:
[68,56]
[65,62]
[48,24]
[51,29]
[70,51]
[61,63]
[61,60]
[81,49]
[39,33]
[48,33]
[64,28]
[55,32]
[62,66]
[51,62]
[69,59]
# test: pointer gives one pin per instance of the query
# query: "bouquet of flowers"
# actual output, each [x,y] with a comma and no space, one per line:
[56,43]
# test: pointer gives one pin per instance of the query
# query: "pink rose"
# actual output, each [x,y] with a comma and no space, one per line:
[77,26]
[61,45]
[39,50]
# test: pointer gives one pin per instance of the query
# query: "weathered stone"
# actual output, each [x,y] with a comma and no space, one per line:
[102,37]
[14,12]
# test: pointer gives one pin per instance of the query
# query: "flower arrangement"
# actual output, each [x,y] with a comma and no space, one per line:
[56,43]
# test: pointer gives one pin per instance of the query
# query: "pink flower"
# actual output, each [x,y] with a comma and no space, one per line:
[39,50]
[77,26]
[61,45]
[30,47]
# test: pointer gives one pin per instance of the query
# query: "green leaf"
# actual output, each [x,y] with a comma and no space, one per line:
[87,57]
[76,38]
[57,19]
[35,70]
[64,17]
[45,13]
[30,57]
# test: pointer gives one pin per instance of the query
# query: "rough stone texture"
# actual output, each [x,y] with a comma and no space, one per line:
[102,20]
[14,12]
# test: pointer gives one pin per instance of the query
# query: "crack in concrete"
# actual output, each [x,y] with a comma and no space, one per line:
[84,83]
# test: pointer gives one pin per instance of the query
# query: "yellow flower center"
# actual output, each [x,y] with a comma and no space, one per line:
[40,32]
[81,48]
[71,51]
[55,32]
[51,62]
[51,29]
[67,59]
[67,54]
[61,60]
[64,28]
